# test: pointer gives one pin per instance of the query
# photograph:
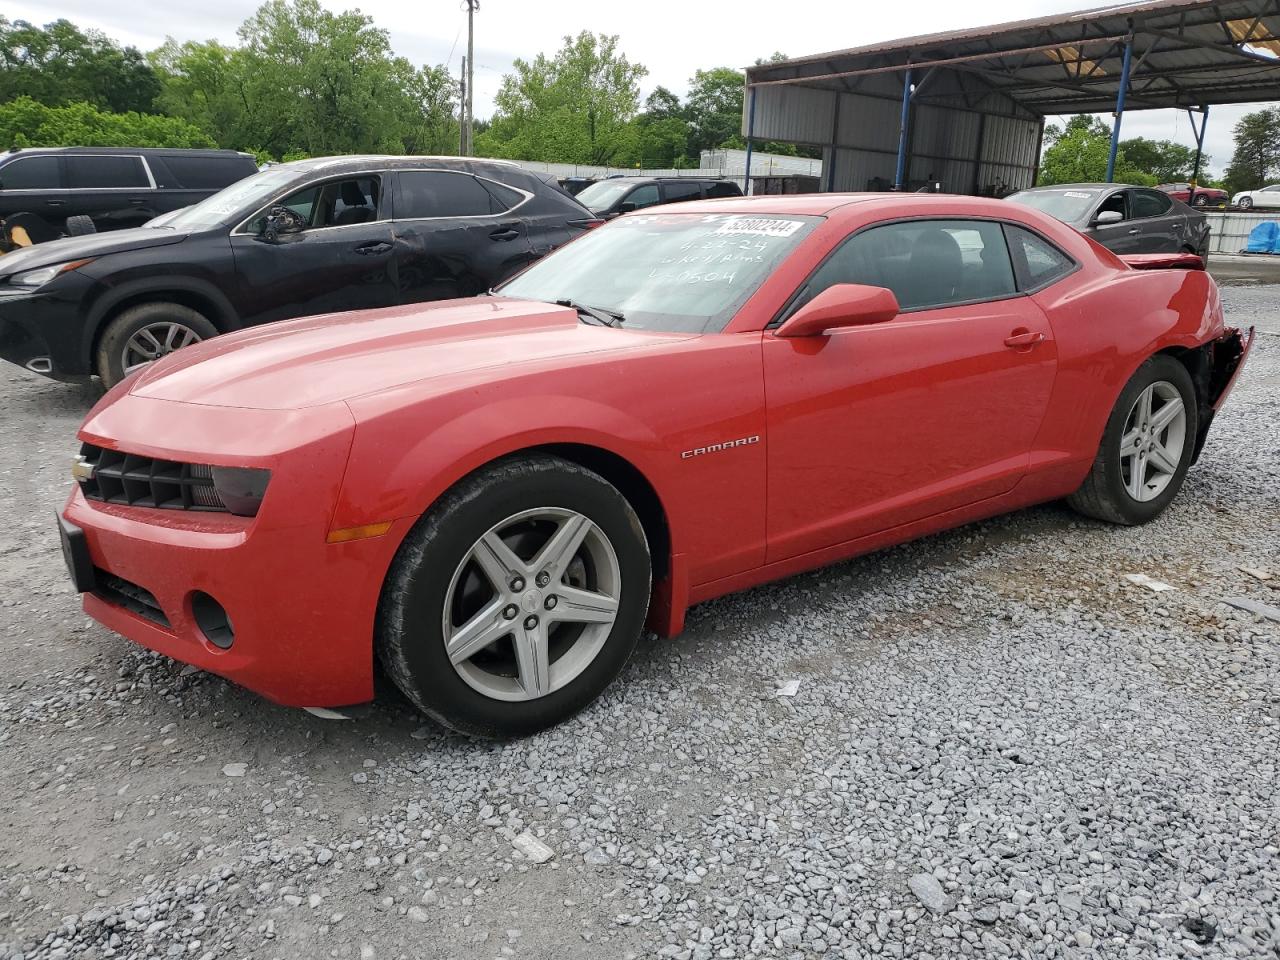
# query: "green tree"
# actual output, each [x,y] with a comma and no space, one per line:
[1165,160]
[59,64]
[1256,159]
[1077,153]
[26,123]
[307,80]
[714,108]
[573,107]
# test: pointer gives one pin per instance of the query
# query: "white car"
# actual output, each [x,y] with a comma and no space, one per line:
[1262,197]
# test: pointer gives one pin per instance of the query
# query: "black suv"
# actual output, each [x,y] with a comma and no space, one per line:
[75,190]
[315,236]
[608,198]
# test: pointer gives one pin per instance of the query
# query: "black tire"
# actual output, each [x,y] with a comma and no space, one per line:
[409,633]
[80,226]
[1202,200]
[109,360]
[1103,494]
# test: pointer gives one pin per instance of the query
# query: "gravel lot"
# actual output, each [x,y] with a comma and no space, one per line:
[999,746]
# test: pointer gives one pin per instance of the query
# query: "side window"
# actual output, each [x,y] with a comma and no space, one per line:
[1149,203]
[205,173]
[31,173]
[677,191]
[303,203]
[645,196]
[723,188]
[425,194]
[106,173]
[345,202]
[1116,203]
[1038,262]
[926,263]
[503,197]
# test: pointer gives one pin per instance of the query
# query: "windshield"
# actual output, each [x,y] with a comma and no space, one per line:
[686,273]
[603,194]
[1069,206]
[234,202]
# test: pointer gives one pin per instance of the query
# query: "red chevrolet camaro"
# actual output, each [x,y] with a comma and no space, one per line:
[493,496]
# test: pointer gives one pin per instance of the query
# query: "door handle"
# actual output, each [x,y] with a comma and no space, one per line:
[1023,338]
[504,233]
[137,201]
[55,203]
[373,248]
[1133,231]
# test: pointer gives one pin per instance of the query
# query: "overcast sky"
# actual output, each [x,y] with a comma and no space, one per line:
[671,38]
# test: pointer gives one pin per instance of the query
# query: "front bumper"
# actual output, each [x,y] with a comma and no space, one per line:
[302,610]
[43,329]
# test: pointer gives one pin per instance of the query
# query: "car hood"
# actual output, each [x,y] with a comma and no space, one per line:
[318,360]
[82,248]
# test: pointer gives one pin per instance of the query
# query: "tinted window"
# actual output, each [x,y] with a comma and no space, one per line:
[443,194]
[723,189]
[31,173]
[926,263]
[105,173]
[504,197]
[1039,261]
[645,196]
[1149,203]
[207,173]
[675,192]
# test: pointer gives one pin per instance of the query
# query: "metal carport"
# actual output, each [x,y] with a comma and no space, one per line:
[967,108]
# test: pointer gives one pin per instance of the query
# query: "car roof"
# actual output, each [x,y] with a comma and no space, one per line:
[390,162]
[824,204]
[128,151]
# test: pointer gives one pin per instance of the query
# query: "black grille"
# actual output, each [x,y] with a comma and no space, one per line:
[137,481]
[121,593]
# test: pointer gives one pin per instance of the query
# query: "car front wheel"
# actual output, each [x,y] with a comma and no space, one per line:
[1146,447]
[1246,203]
[516,599]
[143,334]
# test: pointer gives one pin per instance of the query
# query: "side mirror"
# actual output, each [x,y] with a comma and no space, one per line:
[626,206]
[281,221]
[1107,217]
[841,305]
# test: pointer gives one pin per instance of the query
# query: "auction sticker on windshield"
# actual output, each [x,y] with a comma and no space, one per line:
[759,227]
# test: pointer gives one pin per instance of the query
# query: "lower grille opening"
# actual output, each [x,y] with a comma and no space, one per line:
[121,593]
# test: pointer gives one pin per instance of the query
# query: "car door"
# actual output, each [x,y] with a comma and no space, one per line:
[1161,224]
[456,234]
[873,427]
[1267,197]
[1122,236]
[34,184]
[340,260]
[115,190]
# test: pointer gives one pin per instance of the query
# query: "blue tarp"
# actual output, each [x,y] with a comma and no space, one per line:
[1264,238]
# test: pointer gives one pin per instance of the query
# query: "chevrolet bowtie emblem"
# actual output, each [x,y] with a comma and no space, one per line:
[81,469]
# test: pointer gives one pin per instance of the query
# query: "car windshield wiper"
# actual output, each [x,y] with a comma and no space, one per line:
[596,315]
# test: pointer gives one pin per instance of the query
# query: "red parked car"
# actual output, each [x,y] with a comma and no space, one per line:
[494,495]
[1204,196]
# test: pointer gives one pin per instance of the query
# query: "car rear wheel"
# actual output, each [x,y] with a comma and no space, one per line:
[1146,447]
[516,599]
[143,334]
[1202,200]
[80,226]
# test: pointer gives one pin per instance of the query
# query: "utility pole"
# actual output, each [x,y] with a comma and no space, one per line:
[472,6]
[462,113]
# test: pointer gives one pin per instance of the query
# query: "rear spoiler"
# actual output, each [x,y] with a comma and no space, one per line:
[1163,261]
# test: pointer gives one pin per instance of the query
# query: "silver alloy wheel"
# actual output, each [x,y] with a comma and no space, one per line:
[531,604]
[1151,446]
[154,341]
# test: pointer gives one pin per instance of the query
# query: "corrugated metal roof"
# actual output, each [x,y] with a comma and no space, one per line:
[1185,53]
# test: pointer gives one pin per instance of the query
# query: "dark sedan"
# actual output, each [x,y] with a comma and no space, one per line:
[1123,218]
[316,236]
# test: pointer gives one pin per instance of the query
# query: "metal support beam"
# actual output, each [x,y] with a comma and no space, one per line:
[751,131]
[1120,95]
[904,124]
[1204,122]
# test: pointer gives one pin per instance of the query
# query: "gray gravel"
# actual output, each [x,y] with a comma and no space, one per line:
[999,747]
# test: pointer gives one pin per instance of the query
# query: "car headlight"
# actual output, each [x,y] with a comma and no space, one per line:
[241,489]
[42,275]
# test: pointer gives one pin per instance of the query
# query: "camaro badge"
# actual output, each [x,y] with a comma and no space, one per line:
[716,447]
[81,469]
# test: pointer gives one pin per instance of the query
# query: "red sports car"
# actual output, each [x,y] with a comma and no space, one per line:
[493,496]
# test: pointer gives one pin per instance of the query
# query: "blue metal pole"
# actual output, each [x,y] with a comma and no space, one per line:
[1115,127]
[899,177]
[751,129]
